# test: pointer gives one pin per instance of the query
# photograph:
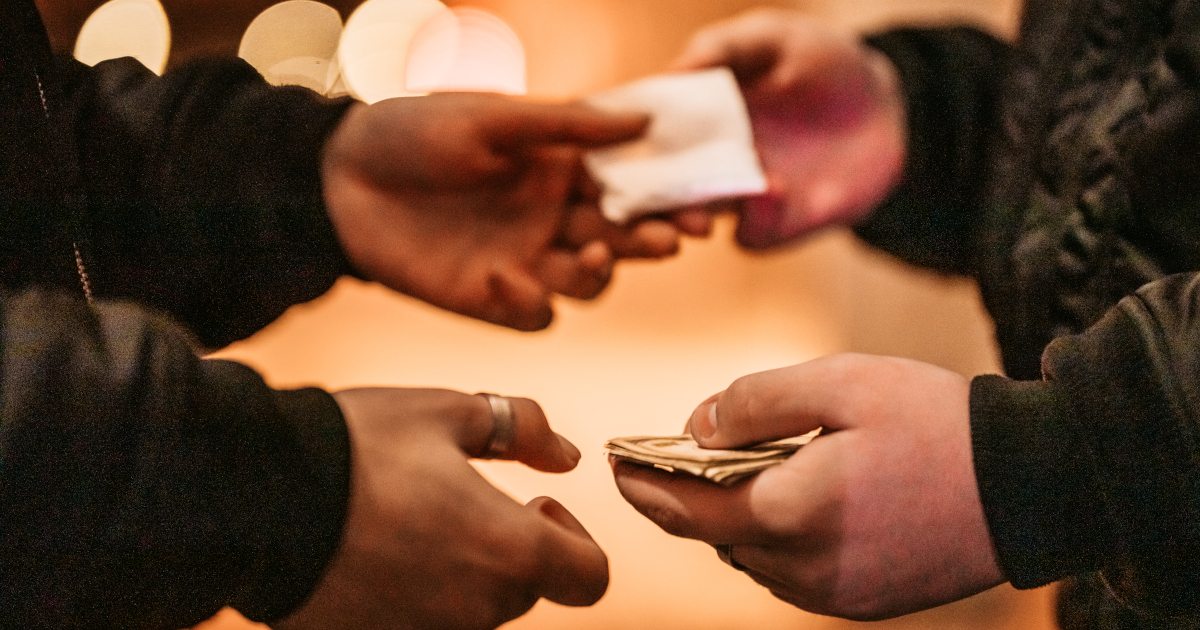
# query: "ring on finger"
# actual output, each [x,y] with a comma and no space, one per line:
[725,553]
[504,425]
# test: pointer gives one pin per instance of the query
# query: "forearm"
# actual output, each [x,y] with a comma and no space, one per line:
[1095,467]
[145,488]
[202,190]
[950,80]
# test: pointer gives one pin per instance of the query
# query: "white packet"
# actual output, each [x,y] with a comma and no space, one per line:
[699,146]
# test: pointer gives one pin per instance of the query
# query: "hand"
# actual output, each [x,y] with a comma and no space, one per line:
[460,200]
[427,542]
[828,119]
[877,517]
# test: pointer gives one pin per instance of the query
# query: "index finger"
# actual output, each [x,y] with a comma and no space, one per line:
[533,123]
[528,440]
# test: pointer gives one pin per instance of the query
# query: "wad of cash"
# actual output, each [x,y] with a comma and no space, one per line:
[681,454]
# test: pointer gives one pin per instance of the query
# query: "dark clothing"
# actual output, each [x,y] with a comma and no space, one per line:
[142,487]
[1063,173]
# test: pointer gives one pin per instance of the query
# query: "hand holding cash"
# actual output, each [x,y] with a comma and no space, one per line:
[884,506]
[680,453]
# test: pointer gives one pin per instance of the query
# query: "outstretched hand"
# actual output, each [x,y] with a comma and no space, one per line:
[428,543]
[828,118]
[877,517]
[464,201]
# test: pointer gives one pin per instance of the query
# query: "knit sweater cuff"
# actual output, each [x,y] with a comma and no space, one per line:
[307,527]
[1036,481]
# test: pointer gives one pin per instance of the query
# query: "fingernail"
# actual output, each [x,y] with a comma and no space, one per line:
[706,422]
[569,449]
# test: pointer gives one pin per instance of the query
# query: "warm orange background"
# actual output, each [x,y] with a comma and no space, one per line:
[665,335]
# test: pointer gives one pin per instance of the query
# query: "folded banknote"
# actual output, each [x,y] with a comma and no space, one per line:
[681,454]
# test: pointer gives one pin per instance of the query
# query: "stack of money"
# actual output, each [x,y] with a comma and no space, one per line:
[681,454]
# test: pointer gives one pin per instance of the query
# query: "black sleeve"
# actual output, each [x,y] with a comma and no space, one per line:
[141,487]
[950,80]
[200,190]
[1098,466]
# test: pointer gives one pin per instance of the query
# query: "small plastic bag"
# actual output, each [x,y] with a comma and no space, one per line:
[699,146]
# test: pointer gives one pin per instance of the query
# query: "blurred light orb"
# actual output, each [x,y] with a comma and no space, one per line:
[295,43]
[374,46]
[126,28]
[466,50]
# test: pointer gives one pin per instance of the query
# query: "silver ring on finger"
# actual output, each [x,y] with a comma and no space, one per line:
[504,425]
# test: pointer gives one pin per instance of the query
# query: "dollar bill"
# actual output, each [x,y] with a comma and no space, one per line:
[681,454]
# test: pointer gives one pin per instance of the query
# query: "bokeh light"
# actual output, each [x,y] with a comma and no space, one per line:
[467,50]
[374,48]
[295,43]
[126,28]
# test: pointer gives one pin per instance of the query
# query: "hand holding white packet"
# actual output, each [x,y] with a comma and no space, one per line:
[699,146]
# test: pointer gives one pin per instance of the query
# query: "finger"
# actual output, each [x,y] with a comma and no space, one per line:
[810,598]
[650,238]
[533,443]
[520,301]
[722,44]
[687,506]
[587,189]
[749,559]
[761,220]
[576,569]
[780,403]
[772,567]
[792,576]
[703,51]
[687,426]
[748,44]
[582,275]
[694,221]
[584,224]
[537,123]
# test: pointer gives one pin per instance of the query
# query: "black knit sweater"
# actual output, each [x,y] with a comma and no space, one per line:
[1064,174]
[142,487]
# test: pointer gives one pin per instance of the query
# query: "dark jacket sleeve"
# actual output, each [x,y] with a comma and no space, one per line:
[143,487]
[1097,467]
[199,191]
[950,80]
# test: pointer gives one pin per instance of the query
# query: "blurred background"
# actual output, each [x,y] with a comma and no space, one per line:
[661,339]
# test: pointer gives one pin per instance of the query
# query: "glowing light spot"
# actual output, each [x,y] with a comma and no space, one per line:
[126,28]
[295,43]
[466,50]
[374,46]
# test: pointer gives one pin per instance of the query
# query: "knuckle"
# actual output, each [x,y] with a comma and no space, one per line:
[849,368]
[740,400]
[767,15]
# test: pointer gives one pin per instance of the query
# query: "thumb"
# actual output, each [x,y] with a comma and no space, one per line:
[701,52]
[771,405]
[576,571]
[518,299]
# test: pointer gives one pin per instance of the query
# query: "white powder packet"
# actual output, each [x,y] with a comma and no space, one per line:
[699,146]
